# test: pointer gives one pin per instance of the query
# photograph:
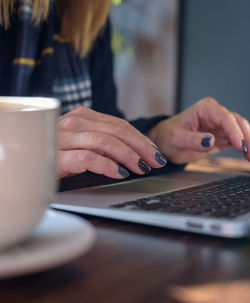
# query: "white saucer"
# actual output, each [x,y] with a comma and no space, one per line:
[59,238]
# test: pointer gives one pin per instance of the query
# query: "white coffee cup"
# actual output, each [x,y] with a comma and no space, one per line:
[27,164]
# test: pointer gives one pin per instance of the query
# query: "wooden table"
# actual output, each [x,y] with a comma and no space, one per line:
[135,263]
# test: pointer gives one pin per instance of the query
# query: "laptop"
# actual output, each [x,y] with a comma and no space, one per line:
[211,204]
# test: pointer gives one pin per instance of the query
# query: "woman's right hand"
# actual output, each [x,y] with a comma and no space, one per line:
[103,144]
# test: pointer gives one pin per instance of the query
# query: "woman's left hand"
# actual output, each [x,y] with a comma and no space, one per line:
[203,129]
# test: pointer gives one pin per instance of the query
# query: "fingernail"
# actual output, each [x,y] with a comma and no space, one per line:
[205,142]
[144,166]
[122,171]
[160,158]
[155,146]
[244,146]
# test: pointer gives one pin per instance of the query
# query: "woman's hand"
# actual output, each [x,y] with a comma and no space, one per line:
[103,144]
[203,129]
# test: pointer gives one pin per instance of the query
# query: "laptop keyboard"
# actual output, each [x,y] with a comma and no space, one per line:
[228,198]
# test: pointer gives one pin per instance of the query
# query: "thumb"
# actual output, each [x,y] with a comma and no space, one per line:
[191,140]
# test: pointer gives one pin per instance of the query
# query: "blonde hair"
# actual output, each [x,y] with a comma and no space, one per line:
[81,20]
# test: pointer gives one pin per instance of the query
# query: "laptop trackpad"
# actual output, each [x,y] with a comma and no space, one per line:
[103,196]
[148,185]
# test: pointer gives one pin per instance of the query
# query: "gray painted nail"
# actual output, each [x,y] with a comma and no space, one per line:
[122,171]
[244,146]
[144,166]
[205,142]
[160,158]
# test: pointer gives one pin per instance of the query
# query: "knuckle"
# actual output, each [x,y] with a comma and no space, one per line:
[224,113]
[107,165]
[68,122]
[125,123]
[67,157]
[122,128]
[62,138]
[236,114]
[131,156]
[72,156]
[207,101]
[210,100]
[244,122]
[80,109]
[175,135]
[229,116]
[241,119]
[224,109]
[101,138]
[84,156]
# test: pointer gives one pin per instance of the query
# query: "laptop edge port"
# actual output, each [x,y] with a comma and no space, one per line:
[194,224]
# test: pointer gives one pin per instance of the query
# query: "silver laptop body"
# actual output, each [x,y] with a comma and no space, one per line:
[98,201]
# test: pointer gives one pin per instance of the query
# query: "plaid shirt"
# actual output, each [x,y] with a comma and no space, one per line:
[43,63]
[38,61]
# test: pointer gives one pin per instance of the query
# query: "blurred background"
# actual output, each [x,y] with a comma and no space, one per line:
[171,53]
[145,44]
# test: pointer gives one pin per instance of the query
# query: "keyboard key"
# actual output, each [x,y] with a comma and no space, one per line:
[227,198]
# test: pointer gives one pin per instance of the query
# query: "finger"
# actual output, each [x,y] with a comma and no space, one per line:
[90,114]
[245,128]
[217,115]
[79,161]
[195,141]
[106,145]
[124,132]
